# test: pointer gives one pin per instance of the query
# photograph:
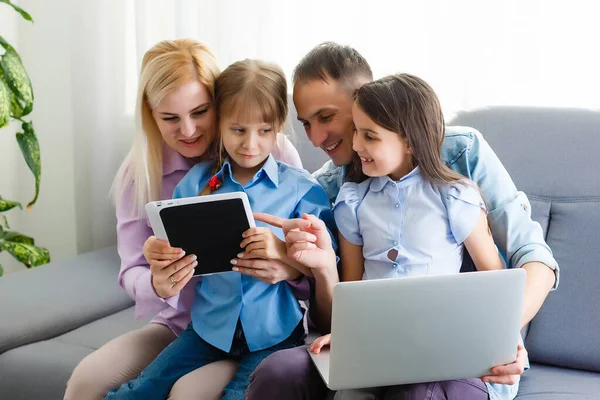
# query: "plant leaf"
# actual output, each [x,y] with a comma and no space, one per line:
[17,79]
[17,237]
[6,205]
[1,270]
[18,9]
[6,225]
[5,102]
[16,109]
[31,152]
[4,43]
[31,256]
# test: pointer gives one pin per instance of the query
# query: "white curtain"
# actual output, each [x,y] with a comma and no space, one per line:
[84,58]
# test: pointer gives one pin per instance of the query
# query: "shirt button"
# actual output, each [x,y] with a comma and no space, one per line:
[395,243]
[395,265]
[397,205]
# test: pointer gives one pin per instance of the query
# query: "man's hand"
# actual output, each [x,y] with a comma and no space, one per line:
[510,373]
[309,245]
[307,239]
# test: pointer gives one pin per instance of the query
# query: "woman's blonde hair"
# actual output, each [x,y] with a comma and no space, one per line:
[165,67]
[247,89]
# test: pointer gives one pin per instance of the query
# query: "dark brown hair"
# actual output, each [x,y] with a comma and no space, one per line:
[407,105]
[246,89]
[329,59]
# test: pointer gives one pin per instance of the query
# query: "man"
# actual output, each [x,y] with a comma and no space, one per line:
[324,83]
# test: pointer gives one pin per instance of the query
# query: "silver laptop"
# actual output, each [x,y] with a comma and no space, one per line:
[425,329]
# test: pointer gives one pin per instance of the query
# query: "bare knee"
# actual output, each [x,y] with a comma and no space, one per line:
[85,384]
[118,361]
[205,383]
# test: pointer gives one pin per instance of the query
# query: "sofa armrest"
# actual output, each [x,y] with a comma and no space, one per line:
[58,297]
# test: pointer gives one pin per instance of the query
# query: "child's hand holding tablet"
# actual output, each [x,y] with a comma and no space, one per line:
[209,227]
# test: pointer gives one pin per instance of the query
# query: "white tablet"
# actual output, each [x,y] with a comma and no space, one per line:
[208,226]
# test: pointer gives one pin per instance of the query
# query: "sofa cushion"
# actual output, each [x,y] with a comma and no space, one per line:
[547,151]
[544,382]
[97,333]
[566,332]
[38,370]
[552,155]
[41,370]
[40,304]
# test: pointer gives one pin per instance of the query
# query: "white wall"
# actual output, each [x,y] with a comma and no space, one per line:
[103,126]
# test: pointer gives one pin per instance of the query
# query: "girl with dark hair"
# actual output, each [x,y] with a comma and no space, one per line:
[404,213]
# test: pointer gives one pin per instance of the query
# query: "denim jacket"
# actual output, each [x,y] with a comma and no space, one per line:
[519,239]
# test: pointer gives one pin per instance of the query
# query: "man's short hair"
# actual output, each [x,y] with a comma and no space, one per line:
[329,59]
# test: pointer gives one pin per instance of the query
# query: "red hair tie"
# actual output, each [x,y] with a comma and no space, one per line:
[214,183]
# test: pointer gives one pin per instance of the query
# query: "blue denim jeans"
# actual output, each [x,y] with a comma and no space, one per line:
[189,352]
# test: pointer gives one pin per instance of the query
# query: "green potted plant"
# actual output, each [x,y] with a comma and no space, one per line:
[16,102]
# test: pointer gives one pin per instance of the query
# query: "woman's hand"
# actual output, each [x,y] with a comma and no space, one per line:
[170,270]
[509,374]
[262,243]
[319,343]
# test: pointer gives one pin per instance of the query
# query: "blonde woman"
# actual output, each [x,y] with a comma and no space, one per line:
[176,122]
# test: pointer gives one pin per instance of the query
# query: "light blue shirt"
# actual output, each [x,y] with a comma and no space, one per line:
[408,228]
[519,239]
[268,313]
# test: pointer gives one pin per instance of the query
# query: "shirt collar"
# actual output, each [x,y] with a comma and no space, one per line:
[378,183]
[173,161]
[269,168]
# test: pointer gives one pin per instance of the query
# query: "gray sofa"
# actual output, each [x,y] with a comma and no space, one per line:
[53,316]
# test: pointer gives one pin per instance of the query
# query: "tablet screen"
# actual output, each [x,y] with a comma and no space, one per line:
[210,230]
